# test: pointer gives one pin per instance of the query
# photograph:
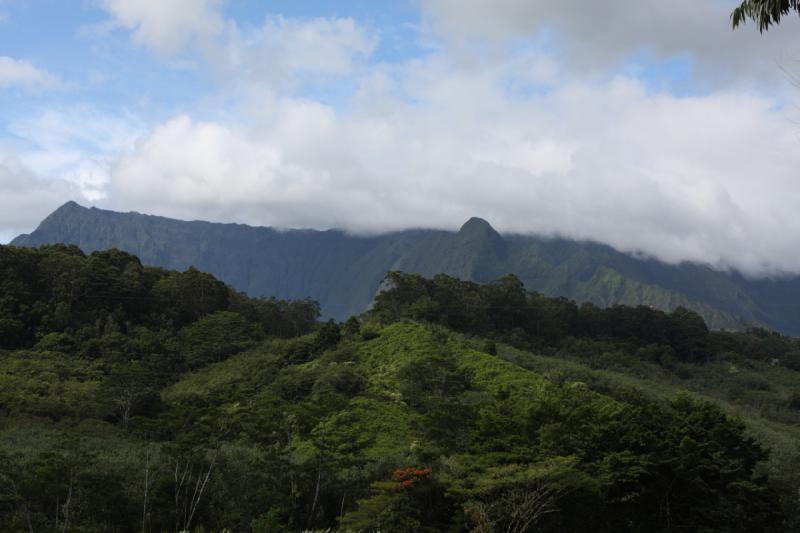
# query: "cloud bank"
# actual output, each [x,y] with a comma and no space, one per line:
[541,117]
[676,178]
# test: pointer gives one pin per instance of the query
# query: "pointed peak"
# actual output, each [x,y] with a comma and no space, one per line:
[53,225]
[477,230]
[475,225]
[68,210]
[71,206]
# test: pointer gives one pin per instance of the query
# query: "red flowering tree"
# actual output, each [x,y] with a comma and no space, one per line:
[412,501]
[410,477]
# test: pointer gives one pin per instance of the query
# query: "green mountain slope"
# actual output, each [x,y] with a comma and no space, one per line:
[133,398]
[319,443]
[343,272]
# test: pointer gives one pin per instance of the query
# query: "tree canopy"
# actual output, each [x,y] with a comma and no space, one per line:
[139,399]
[765,13]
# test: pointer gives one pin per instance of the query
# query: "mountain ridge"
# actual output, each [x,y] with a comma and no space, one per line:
[343,271]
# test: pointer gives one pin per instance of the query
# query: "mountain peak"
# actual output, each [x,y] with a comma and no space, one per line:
[476,225]
[487,248]
[69,206]
[55,227]
[68,209]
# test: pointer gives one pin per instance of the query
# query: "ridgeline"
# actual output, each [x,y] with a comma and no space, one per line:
[343,272]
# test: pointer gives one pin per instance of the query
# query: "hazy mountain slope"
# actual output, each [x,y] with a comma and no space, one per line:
[343,272]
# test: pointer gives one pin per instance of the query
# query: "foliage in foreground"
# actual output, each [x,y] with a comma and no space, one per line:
[764,13]
[232,420]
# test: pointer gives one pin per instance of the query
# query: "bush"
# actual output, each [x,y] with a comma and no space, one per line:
[56,342]
[793,402]
[368,333]
[490,347]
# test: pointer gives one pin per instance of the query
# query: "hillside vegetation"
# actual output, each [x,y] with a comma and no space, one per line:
[138,399]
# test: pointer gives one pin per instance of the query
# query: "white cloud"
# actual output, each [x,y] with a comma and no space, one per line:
[283,50]
[25,199]
[600,34]
[75,145]
[55,156]
[21,73]
[677,178]
[279,52]
[167,27]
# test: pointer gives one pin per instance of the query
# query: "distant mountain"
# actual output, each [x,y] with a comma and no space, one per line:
[343,272]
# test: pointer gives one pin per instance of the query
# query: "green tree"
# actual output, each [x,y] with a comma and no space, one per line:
[765,13]
[689,335]
[129,386]
[351,328]
[328,336]
[215,337]
[191,295]
[411,502]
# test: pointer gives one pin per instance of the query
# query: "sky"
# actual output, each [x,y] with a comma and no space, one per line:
[651,126]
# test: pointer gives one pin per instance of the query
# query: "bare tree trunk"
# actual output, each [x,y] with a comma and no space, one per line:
[520,509]
[179,480]
[198,492]
[126,414]
[146,489]
[69,501]
[190,505]
[316,495]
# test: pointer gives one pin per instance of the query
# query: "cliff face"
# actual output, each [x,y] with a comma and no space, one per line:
[343,271]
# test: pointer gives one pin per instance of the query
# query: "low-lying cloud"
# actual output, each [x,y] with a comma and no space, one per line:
[676,178]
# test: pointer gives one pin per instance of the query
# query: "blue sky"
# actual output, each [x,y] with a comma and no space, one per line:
[101,65]
[651,126]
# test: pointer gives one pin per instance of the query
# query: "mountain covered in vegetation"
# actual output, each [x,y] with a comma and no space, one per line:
[134,398]
[343,272]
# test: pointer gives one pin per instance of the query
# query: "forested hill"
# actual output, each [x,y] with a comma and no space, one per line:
[134,398]
[343,272]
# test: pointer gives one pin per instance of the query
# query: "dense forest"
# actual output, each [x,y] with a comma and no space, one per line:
[134,398]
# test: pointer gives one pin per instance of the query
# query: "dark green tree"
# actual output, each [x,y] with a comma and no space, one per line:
[215,337]
[351,328]
[764,13]
[328,336]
